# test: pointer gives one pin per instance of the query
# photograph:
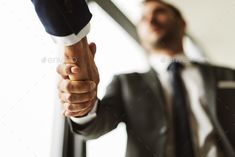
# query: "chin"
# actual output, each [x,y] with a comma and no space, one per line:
[154,39]
[156,35]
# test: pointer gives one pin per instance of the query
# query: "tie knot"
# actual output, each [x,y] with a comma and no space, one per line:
[175,66]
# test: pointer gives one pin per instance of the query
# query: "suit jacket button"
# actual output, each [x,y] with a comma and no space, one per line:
[163,130]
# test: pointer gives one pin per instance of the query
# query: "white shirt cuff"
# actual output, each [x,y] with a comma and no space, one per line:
[72,38]
[90,116]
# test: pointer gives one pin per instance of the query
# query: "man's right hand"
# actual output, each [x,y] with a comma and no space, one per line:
[79,78]
[77,97]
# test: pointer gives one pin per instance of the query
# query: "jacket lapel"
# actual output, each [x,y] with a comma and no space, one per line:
[153,82]
[209,82]
[209,105]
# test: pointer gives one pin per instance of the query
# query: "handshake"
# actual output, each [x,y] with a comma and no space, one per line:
[79,79]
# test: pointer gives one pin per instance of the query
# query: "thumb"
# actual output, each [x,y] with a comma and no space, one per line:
[92,47]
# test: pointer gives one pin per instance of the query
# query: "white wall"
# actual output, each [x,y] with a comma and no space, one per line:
[28,77]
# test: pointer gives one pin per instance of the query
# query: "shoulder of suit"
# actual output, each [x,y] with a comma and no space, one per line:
[218,70]
[214,66]
[131,77]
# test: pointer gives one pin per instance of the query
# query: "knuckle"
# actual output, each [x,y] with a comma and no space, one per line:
[85,105]
[77,85]
[81,106]
[91,86]
[69,97]
[78,107]
[70,107]
[80,113]
[68,86]
[90,94]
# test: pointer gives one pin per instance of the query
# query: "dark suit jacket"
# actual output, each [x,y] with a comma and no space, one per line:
[137,100]
[62,17]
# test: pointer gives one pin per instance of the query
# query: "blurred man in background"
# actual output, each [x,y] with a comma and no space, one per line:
[170,111]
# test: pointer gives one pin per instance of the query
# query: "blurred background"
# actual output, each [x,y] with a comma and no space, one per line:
[28,60]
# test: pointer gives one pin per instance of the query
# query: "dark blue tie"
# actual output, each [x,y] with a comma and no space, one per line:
[182,131]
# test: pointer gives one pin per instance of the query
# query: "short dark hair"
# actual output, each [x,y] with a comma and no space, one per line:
[172,7]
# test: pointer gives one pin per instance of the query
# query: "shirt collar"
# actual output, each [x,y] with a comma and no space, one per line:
[160,62]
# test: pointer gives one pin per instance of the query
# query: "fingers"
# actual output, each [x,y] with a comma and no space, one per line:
[77,98]
[78,87]
[67,69]
[78,113]
[78,109]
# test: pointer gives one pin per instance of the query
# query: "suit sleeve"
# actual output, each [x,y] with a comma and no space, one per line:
[110,113]
[62,18]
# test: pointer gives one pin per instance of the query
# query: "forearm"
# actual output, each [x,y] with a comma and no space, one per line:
[106,119]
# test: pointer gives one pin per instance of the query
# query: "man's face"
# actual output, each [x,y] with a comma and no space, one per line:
[159,25]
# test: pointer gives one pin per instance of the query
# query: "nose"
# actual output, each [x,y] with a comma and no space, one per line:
[152,20]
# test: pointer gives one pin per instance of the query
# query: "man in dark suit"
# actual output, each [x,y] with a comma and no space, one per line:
[177,109]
